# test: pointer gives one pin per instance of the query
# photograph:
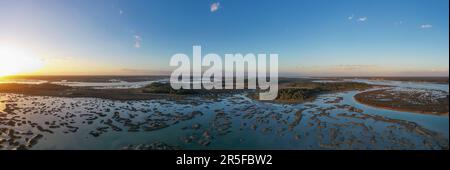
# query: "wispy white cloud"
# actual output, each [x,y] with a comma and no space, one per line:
[398,23]
[352,67]
[426,26]
[366,70]
[439,70]
[362,19]
[215,6]
[120,12]
[137,41]
[350,17]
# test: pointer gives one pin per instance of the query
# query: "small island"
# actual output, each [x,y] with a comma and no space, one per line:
[418,101]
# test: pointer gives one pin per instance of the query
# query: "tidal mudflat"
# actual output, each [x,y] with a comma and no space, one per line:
[332,120]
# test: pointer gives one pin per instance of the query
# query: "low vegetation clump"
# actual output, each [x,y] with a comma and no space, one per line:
[419,101]
[165,88]
[305,91]
[293,91]
[297,94]
[335,86]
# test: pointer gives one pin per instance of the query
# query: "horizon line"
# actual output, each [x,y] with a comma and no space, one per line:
[161,75]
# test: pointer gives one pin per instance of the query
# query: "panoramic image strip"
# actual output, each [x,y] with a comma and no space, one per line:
[224,75]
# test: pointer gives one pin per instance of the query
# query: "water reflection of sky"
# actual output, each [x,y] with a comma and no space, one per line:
[237,106]
[404,84]
[433,122]
[97,85]
[232,106]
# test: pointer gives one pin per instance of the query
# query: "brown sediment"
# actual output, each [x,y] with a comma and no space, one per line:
[397,103]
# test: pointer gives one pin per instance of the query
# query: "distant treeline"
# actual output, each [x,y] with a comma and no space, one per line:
[292,92]
[430,79]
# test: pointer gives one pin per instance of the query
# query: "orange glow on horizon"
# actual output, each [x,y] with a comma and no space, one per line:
[14,60]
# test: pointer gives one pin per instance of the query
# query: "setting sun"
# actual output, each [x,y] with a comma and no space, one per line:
[14,60]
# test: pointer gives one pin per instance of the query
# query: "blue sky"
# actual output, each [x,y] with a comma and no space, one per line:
[312,37]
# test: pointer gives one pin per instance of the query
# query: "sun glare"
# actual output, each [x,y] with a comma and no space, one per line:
[15,60]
